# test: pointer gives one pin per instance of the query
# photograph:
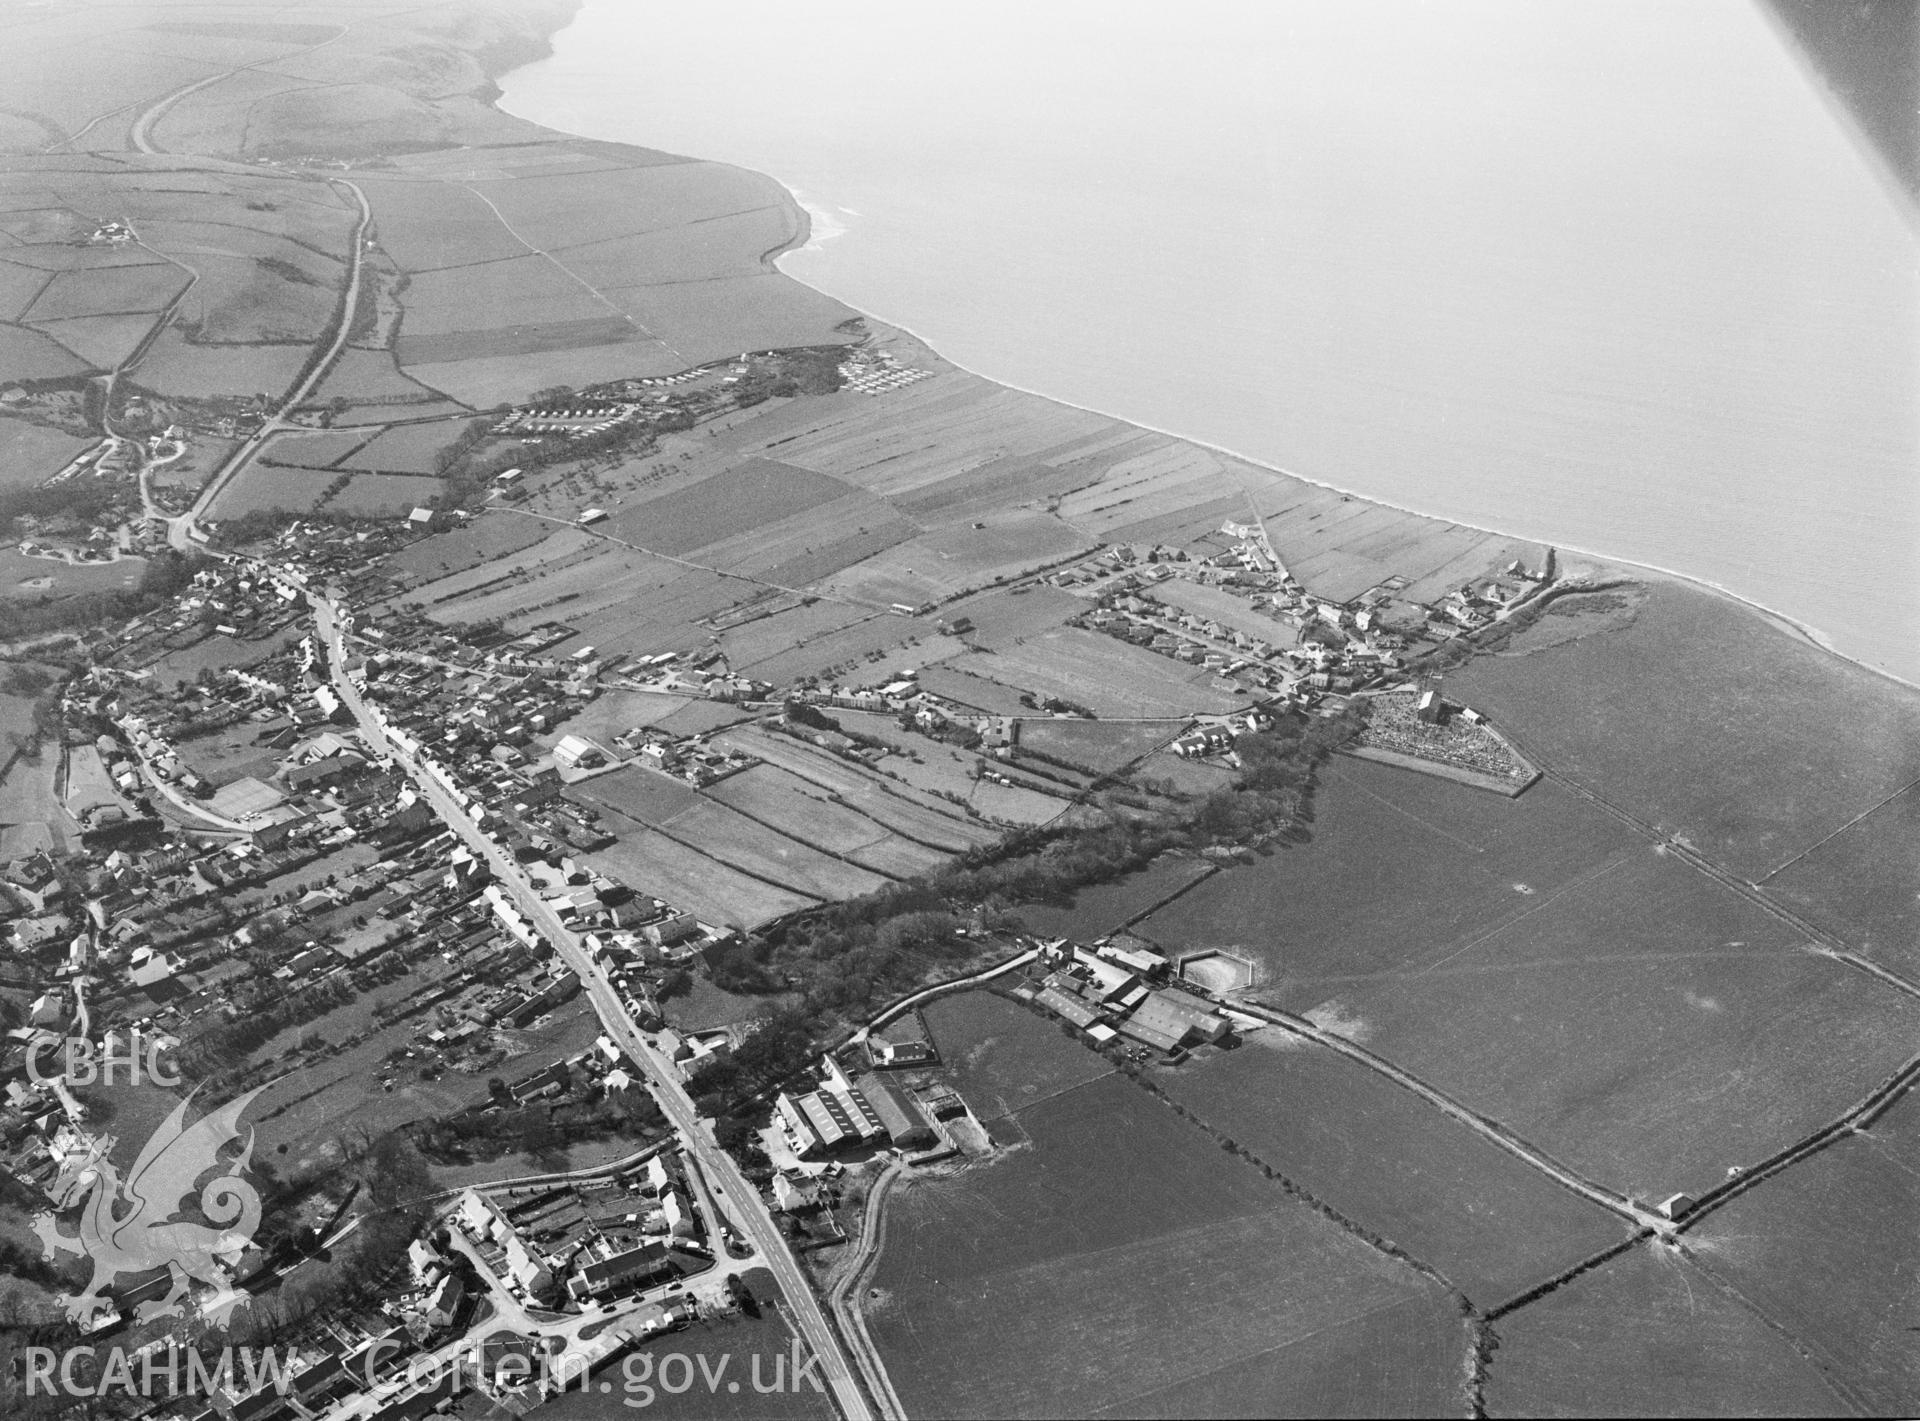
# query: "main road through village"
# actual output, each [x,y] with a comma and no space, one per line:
[740,1201]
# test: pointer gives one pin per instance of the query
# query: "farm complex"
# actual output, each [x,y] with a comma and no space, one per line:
[679,817]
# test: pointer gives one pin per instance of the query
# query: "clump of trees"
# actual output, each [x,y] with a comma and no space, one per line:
[855,955]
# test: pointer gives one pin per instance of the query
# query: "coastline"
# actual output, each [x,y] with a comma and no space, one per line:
[1785,622]
[807,215]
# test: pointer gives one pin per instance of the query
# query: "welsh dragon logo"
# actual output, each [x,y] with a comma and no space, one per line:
[134,1226]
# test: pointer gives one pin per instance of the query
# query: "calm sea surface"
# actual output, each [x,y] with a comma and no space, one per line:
[1610,275]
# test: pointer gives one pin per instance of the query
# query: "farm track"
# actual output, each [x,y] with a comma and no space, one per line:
[1489,1130]
[843,1299]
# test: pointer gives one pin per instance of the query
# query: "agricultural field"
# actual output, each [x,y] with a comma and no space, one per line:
[1016,804]
[262,486]
[174,366]
[369,378]
[612,714]
[1650,1334]
[976,692]
[427,226]
[1101,746]
[1003,1057]
[107,292]
[479,544]
[1653,1028]
[1039,1285]
[1103,908]
[312,451]
[29,355]
[520,291]
[1863,884]
[372,495]
[408,448]
[728,836]
[1004,618]
[863,653]
[1693,753]
[944,563]
[33,453]
[724,246]
[102,341]
[765,637]
[906,811]
[484,382]
[785,802]
[1386,1159]
[1827,1252]
[714,892]
[741,499]
[18,287]
[1112,678]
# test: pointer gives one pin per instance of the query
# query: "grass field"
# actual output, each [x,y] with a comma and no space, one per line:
[30,355]
[1749,784]
[1100,746]
[1108,676]
[862,652]
[640,795]
[715,893]
[1100,909]
[949,561]
[1015,804]
[174,367]
[765,637]
[408,448]
[1041,1285]
[103,341]
[22,576]
[112,291]
[786,802]
[1002,618]
[488,538]
[1647,1334]
[1003,1057]
[372,495]
[1653,1029]
[18,286]
[726,835]
[739,500]
[899,807]
[371,375]
[1863,884]
[1385,1158]
[1827,1251]
[33,453]
[313,451]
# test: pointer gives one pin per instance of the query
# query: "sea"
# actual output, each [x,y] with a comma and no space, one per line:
[1611,274]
